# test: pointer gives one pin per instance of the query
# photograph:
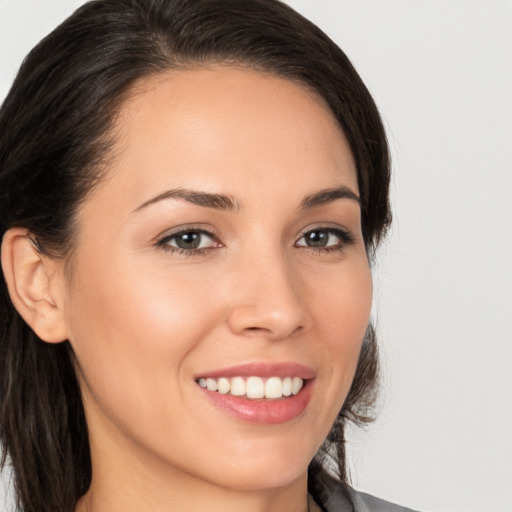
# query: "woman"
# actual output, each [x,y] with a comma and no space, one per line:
[191,193]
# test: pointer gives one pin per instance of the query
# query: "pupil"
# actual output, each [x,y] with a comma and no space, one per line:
[317,239]
[188,240]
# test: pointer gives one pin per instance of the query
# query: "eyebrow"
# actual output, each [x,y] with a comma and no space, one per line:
[206,199]
[224,202]
[328,195]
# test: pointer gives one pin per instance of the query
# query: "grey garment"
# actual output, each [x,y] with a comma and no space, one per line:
[346,499]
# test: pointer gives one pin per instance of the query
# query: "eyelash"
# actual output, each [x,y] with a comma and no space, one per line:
[164,242]
[345,239]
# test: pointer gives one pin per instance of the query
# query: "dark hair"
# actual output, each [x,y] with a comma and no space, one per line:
[55,135]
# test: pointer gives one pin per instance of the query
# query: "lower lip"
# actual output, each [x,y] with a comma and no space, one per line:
[263,412]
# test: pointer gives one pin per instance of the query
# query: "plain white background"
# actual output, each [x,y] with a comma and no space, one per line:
[441,73]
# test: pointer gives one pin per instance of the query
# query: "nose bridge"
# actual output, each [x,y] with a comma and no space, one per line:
[269,300]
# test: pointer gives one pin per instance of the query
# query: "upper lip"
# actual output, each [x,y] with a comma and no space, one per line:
[262,369]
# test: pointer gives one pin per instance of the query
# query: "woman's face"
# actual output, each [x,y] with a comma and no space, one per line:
[223,248]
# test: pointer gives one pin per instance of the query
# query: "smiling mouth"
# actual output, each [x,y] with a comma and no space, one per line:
[253,388]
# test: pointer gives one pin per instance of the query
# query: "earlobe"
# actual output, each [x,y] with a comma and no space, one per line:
[35,285]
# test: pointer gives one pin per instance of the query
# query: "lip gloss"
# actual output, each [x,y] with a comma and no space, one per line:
[262,411]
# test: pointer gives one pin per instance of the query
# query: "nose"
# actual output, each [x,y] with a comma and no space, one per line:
[269,300]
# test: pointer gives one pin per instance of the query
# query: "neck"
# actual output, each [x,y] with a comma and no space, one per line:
[191,496]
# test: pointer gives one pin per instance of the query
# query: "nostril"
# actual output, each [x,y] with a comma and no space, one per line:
[256,330]
[272,333]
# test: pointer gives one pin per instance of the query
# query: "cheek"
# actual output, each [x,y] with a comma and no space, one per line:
[342,310]
[132,328]
[129,304]
[343,302]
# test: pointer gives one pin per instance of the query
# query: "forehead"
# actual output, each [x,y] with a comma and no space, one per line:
[227,130]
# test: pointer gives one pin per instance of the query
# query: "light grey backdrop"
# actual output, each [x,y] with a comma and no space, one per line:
[441,73]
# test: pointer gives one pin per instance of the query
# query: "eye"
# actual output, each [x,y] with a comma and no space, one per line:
[327,239]
[189,240]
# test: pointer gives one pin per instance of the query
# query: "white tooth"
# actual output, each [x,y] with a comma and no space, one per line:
[202,383]
[224,385]
[287,386]
[211,384]
[296,385]
[274,388]
[238,386]
[255,387]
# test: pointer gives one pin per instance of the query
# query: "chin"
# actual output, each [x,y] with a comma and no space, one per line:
[275,471]
[273,479]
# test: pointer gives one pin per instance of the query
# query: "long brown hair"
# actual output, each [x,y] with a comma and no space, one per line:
[55,128]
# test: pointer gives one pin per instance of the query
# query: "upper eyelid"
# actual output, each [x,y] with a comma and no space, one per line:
[325,227]
[178,233]
[212,233]
[169,233]
[164,242]
[346,236]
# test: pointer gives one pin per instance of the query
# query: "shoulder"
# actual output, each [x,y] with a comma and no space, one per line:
[346,499]
[366,503]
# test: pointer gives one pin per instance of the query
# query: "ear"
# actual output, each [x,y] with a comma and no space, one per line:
[36,285]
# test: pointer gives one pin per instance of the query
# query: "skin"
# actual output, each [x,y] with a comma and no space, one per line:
[145,320]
